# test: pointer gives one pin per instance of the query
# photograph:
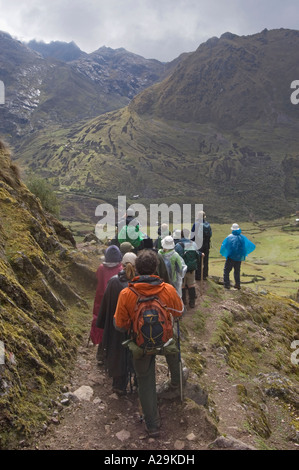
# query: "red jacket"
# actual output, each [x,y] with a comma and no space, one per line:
[145,285]
[104,273]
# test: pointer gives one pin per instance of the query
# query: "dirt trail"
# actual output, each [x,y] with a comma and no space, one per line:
[106,421]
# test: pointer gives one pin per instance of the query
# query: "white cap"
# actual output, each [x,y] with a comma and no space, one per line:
[235,227]
[177,233]
[130,211]
[168,243]
[129,258]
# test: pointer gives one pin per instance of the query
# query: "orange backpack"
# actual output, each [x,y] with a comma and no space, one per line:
[152,324]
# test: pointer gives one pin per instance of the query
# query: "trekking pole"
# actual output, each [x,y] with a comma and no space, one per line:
[201,274]
[180,361]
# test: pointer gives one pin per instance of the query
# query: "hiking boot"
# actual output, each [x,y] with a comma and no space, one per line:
[155,432]
[168,390]
[119,391]
[237,287]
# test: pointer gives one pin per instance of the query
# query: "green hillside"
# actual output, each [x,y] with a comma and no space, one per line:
[220,130]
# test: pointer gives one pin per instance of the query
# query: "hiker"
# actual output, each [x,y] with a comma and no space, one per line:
[127,219]
[116,358]
[126,247]
[235,248]
[190,253]
[177,236]
[147,284]
[175,265]
[163,231]
[201,224]
[110,267]
[161,270]
[129,231]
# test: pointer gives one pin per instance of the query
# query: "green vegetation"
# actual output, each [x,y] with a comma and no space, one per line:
[45,192]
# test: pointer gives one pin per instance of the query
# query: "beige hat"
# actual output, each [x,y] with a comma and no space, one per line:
[125,247]
[168,243]
[235,227]
[129,258]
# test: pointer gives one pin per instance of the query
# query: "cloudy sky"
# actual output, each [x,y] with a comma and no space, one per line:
[159,29]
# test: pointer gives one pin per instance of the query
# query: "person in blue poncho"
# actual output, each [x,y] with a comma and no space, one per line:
[235,248]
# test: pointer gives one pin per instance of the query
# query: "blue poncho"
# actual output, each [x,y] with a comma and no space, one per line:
[236,246]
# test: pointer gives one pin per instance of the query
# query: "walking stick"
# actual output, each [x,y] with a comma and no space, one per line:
[180,361]
[201,274]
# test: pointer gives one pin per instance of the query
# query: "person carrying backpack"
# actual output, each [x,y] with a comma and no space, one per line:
[116,358]
[130,231]
[235,248]
[146,308]
[190,253]
[202,228]
[175,265]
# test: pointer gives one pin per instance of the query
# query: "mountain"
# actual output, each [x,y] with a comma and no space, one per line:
[57,50]
[58,84]
[230,82]
[219,130]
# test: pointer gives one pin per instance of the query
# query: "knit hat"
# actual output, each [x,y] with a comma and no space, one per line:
[125,247]
[113,254]
[168,243]
[129,258]
[235,227]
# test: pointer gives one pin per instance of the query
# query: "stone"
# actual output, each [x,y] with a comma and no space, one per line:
[179,445]
[229,442]
[123,435]
[84,392]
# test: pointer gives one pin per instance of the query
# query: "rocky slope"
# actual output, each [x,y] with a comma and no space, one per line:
[57,83]
[44,289]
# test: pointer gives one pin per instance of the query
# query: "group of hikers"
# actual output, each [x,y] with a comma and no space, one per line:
[141,295]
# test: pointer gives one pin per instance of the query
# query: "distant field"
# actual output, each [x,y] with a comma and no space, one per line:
[275,257]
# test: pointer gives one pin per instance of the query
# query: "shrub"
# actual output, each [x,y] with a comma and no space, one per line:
[44,191]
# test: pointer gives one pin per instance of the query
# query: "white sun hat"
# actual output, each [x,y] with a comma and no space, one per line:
[168,243]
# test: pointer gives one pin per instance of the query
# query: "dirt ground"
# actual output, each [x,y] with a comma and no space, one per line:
[106,421]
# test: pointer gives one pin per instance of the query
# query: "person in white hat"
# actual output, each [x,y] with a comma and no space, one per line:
[235,248]
[175,264]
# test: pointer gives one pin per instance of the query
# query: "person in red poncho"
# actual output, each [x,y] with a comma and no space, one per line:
[111,266]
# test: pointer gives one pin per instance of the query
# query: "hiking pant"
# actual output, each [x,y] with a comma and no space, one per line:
[229,265]
[145,369]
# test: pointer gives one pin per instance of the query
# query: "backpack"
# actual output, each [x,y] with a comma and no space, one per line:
[190,257]
[152,325]
[206,235]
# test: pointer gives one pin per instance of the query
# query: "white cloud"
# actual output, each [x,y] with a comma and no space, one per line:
[160,29]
